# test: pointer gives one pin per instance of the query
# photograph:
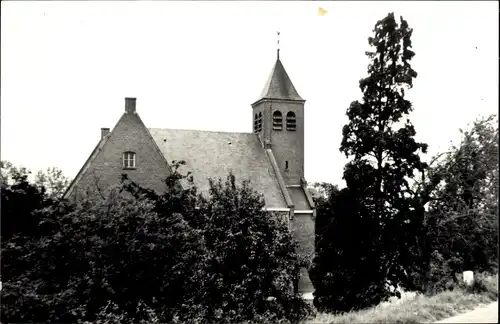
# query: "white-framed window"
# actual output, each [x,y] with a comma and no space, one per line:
[129,160]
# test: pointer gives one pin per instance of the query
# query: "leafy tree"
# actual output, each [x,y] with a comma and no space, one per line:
[379,139]
[323,194]
[19,199]
[252,257]
[320,191]
[54,182]
[136,256]
[471,169]
[460,229]
[117,250]
[10,173]
[343,258]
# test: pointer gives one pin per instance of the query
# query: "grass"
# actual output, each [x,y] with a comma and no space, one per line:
[421,309]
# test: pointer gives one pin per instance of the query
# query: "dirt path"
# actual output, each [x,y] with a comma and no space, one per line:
[485,314]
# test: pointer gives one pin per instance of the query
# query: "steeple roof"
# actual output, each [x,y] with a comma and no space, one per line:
[279,85]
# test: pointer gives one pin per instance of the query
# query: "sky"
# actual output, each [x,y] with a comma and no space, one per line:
[66,68]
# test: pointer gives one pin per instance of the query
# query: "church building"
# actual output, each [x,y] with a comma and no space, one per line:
[271,157]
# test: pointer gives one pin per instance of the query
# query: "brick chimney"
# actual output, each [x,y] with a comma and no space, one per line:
[130,105]
[104,132]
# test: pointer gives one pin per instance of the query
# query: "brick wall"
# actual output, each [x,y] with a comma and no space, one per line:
[304,232]
[286,145]
[129,134]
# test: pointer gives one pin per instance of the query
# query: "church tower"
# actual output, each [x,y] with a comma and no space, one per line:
[278,119]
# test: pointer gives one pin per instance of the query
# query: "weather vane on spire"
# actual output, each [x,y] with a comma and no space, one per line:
[278,45]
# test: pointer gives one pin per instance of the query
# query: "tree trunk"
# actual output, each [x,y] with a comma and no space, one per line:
[425,249]
[426,264]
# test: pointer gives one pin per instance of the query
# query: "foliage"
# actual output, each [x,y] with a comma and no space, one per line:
[253,256]
[54,182]
[119,250]
[461,224]
[344,266]
[420,308]
[136,256]
[322,194]
[383,155]
[320,191]
[19,199]
[10,173]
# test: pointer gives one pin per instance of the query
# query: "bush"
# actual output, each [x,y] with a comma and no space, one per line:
[140,257]
[484,283]
[347,271]
[118,250]
[251,256]
[422,308]
[462,214]
[19,199]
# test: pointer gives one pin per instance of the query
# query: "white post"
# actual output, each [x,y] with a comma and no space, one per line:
[468,278]
[308,297]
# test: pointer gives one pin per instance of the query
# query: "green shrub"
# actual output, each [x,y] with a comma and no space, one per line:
[251,256]
[140,257]
[484,283]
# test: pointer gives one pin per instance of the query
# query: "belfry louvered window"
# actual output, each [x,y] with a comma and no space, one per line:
[277,120]
[291,121]
[129,160]
[257,123]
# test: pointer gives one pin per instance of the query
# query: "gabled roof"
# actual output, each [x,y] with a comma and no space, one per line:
[279,85]
[125,116]
[85,166]
[214,154]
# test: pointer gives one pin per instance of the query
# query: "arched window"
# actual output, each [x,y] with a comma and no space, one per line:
[257,123]
[129,160]
[277,120]
[291,121]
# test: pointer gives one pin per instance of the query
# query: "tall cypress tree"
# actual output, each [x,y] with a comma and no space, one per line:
[379,140]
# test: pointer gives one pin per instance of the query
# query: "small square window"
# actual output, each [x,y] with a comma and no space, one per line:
[129,160]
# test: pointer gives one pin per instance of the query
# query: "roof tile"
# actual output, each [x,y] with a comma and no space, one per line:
[213,154]
[279,85]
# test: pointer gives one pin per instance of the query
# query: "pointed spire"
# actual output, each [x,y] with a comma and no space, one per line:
[279,85]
